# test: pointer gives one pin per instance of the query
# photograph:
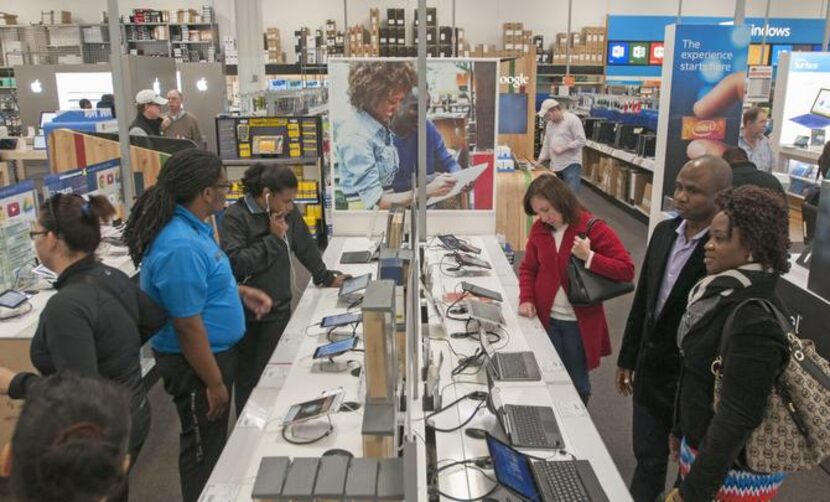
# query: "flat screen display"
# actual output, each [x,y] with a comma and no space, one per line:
[512,469]
[618,52]
[335,348]
[512,113]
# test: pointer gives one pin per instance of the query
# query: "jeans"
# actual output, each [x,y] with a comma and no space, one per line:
[254,351]
[572,176]
[567,340]
[201,441]
[651,449]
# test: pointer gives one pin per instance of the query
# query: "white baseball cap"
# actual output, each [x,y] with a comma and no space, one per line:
[147,96]
[547,105]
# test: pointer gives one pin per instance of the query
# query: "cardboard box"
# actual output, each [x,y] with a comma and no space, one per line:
[14,355]
[645,204]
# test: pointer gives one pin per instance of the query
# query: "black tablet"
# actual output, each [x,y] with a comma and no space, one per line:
[335,348]
[12,299]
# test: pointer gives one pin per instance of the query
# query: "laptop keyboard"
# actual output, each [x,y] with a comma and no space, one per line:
[528,426]
[561,481]
[512,365]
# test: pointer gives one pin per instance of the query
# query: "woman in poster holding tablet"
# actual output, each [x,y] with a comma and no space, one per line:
[364,146]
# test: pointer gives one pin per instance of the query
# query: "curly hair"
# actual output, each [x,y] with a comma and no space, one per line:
[763,219]
[371,83]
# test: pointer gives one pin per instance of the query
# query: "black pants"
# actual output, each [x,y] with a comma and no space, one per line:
[651,449]
[201,441]
[255,349]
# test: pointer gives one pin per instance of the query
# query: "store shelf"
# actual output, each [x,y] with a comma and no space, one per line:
[797,196]
[809,155]
[192,41]
[284,69]
[145,24]
[147,41]
[811,181]
[634,211]
[627,157]
[576,69]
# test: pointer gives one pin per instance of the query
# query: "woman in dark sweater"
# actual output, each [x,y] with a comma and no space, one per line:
[91,326]
[746,252]
[259,232]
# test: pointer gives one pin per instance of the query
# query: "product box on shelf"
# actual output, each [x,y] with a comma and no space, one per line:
[645,203]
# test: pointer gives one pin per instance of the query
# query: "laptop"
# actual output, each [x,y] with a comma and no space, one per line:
[372,253]
[517,366]
[366,256]
[544,481]
[819,116]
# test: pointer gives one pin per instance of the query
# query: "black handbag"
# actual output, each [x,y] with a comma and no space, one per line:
[587,288]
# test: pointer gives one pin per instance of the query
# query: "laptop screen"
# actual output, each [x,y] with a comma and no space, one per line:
[822,103]
[512,469]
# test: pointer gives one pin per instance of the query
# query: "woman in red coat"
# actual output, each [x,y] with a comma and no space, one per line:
[579,334]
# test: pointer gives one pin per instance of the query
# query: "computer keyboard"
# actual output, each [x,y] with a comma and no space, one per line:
[527,424]
[512,365]
[561,482]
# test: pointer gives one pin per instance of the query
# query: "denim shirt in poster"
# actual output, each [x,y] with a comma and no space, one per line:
[187,273]
[407,147]
[368,158]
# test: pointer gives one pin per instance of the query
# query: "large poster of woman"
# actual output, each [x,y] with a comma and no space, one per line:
[374,131]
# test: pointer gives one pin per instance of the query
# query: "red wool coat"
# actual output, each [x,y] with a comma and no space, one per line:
[543,270]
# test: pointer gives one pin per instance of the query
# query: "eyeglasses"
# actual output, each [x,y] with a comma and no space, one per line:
[35,233]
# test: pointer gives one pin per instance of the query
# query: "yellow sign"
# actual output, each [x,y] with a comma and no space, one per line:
[244,150]
[268,122]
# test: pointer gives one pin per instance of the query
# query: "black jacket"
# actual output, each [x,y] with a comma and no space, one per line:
[649,345]
[151,127]
[261,260]
[755,354]
[747,174]
[87,330]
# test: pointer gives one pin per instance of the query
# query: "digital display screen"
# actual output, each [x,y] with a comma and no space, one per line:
[656,53]
[618,52]
[340,319]
[355,284]
[512,469]
[335,348]
[777,50]
[11,299]
[639,53]
[822,103]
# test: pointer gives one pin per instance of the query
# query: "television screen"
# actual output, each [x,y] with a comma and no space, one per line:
[656,53]
[639,53]
[618,52]
[512,113]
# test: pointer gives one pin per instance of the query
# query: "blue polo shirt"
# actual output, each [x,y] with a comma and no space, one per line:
[185,272]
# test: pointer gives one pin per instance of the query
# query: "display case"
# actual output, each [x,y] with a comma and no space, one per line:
[293,141]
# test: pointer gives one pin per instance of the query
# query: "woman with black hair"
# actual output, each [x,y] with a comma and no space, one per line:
[92,325]
[185,271]
[70,442]
[748,249]
[259,232]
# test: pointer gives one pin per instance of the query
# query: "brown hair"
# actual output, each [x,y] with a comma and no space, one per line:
[75,220]
[751,115]
[764,221]
[557,193]
[735,155]
[371,83]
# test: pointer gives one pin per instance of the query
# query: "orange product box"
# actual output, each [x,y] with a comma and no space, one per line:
[695,128]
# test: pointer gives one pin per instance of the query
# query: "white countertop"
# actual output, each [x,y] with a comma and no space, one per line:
[292,378]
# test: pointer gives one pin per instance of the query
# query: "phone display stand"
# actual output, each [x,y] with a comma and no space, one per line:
[331,365]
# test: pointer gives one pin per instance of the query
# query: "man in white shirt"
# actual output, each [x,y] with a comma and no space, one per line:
[563,142]
[753,141]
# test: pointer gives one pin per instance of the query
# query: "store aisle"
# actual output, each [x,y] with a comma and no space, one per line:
[155,477]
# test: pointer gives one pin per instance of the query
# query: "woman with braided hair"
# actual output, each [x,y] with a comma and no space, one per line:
[746,252]
[71,442]
[185,271]
[364,148]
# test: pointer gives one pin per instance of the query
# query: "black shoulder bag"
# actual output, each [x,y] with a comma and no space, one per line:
[587,288]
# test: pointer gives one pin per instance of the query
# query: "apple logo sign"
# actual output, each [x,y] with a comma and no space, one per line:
[36,86]
[157,86]
[201,84]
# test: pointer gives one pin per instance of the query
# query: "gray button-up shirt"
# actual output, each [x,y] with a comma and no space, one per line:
[681,250]
[761,154]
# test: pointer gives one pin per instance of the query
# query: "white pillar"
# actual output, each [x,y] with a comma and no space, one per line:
[251,68]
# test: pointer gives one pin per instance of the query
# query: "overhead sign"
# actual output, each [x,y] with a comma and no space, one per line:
[778,30]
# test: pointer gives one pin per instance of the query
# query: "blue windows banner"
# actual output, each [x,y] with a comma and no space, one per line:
[779,31]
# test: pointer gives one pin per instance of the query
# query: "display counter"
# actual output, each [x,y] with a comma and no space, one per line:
[809,312]
[17,159]
[291,377]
